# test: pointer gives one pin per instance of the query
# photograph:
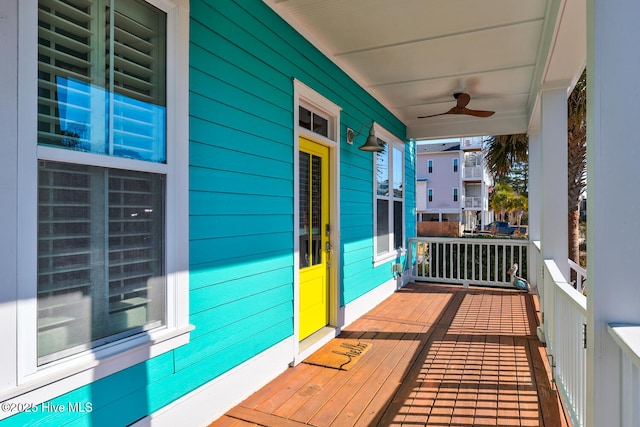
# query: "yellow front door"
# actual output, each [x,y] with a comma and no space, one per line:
[314,237]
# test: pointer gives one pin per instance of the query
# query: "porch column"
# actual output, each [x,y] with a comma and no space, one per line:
[613,230]
[554,186]
[535,198]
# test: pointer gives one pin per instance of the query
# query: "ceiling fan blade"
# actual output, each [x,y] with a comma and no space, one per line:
[451,111]
[462,99]
[477,113]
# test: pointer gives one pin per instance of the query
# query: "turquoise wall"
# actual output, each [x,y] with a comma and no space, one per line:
[243,59]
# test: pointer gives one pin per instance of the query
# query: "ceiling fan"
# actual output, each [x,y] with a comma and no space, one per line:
[461,107]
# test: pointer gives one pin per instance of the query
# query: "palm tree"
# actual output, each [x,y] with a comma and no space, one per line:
[577,161]
[504,151]
[518,205]
[500,200]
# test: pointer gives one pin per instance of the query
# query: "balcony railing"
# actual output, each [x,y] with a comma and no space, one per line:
[469,172]
[472,202]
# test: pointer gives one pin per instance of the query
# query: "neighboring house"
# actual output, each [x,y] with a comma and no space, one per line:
[453,183]
[182,189]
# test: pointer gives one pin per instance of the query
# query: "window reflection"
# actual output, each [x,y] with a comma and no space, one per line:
[137,129]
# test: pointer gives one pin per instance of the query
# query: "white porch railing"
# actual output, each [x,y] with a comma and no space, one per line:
[628,339]
[467,261]
[580,276]
[565,322]
[563,307]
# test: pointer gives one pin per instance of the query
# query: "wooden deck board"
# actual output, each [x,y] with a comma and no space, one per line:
[440,356]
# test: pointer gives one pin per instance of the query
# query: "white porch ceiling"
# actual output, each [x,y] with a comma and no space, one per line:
[413,55]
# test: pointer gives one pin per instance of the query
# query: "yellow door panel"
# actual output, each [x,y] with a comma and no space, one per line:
[314,225]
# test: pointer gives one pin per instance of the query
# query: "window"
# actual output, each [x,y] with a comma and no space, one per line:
[455,165]
[430,194]
[455,194]
[389,195]
[430,167]
[100,230]
[105,230]
[313,121]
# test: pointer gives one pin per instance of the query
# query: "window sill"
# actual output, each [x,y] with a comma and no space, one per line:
[388,257]
[52,381]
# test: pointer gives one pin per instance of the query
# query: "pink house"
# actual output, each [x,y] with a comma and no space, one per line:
[453,183]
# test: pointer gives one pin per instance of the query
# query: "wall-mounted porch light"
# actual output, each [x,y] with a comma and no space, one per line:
[372,142]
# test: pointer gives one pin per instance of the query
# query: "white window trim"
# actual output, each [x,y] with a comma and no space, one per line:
[24,381]
[392,142]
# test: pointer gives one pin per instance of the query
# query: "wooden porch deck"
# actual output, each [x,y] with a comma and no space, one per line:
[440,356]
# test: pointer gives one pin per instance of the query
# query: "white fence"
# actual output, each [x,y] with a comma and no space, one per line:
[467,261]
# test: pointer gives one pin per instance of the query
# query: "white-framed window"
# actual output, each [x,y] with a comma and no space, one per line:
[455,194]
[102,190]
[430,166]
[430,195]
[455,165]
[389,196]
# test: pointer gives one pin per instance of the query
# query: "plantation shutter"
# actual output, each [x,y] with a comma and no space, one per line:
[65,255]
[137,82]
[66,53]
[101,78]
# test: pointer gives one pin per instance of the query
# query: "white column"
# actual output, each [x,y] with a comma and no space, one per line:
[554,210]
[535,212]
[535,182]
[613,229]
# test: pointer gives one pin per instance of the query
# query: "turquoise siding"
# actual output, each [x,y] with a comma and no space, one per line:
[243,58]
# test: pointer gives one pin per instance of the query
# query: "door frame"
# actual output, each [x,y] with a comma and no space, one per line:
[309,99]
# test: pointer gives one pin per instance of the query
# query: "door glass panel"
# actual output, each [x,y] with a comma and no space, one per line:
[316,209]
[310,209]
[304,210]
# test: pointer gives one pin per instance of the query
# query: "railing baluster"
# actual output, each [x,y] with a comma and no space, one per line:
[473,262]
